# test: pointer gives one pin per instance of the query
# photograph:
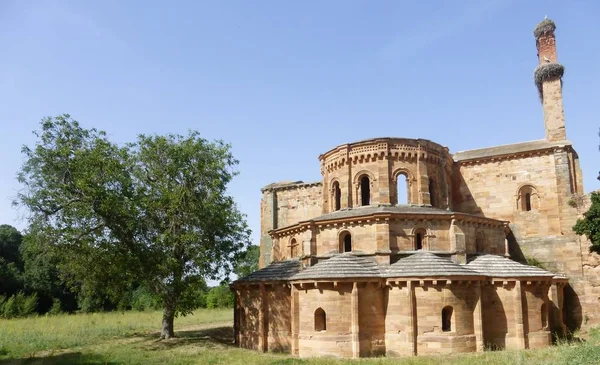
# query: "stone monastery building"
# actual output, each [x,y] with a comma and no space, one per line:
[347,271]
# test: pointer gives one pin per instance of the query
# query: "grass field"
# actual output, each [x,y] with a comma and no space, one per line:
[206,338]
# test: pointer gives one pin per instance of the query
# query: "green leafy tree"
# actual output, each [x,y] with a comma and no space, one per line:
[155,212]
[10,260]
[589,225]
[219,297]
[41,272]
[247,262]
[10,242]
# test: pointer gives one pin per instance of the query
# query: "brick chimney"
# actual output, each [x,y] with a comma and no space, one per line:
[548,79]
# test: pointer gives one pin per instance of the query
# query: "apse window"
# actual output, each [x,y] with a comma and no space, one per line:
[365,191]
[337,196]
[447,319]
[432,200]
[345,242]
[402,189]
[320,320]
[420,235]
[544,314]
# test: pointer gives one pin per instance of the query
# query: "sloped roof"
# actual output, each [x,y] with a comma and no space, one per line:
[345,265]
[371,209]
[427,264]
[501,267]
[508,149]
[276,271]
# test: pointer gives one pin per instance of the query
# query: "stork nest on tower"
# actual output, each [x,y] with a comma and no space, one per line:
[547,71]
[544,27]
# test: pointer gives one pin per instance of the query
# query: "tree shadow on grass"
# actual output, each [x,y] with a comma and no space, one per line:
[76,358]
[207,337]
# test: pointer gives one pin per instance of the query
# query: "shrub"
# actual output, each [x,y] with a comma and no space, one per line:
[18,305]
[142,299]
[56,307]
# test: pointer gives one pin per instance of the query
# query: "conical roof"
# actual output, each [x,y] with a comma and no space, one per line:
[276,271]
[345,265]
[426,264]
[501,267]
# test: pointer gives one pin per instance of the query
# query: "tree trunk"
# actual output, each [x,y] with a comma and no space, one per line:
[167,324]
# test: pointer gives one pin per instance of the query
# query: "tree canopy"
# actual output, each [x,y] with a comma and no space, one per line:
[155,211]
[589,225]
[247,261]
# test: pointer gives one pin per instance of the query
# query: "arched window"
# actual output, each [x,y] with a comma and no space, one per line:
[345,241]
[365,191]
[544,314]
[337,196]
[348,243]
[293,248]
[527,198]
[402,188]
[447,319]
[320,320]
[479,240]
[432,192]
[419,237]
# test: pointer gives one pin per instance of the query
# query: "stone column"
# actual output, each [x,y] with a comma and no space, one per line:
[383,177]
[262,320]
[413,317]
[478,317]
[519,321]
[294,314]
[347,201]
[355,328]
[236,317]
[555,318]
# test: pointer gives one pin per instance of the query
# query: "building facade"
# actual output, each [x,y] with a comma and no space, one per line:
[404,248]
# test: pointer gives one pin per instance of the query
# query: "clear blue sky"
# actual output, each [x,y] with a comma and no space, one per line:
[285,81]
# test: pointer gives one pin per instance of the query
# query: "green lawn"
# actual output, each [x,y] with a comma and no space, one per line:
[205,338]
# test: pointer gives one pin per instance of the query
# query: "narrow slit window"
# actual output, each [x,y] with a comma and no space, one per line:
[337,196]
[348,243]
[447,319]
[365,191]
[544,314]
[320,320]
[402,189]
[293,248]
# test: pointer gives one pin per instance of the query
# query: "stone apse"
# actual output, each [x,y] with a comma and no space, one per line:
[404,248]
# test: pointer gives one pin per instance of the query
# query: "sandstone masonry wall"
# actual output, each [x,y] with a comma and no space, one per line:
[283,205]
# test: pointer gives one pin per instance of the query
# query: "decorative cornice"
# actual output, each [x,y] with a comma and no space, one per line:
[289,185]
[380,218]
[402,149]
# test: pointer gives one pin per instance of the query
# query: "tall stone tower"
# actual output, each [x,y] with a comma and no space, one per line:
[547,77]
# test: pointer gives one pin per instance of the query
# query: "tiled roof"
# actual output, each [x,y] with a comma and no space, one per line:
[276,271]
[501,267]
[420,264]
[344,265]
[427,264]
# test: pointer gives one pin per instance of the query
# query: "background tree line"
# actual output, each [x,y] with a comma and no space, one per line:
[32,284]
